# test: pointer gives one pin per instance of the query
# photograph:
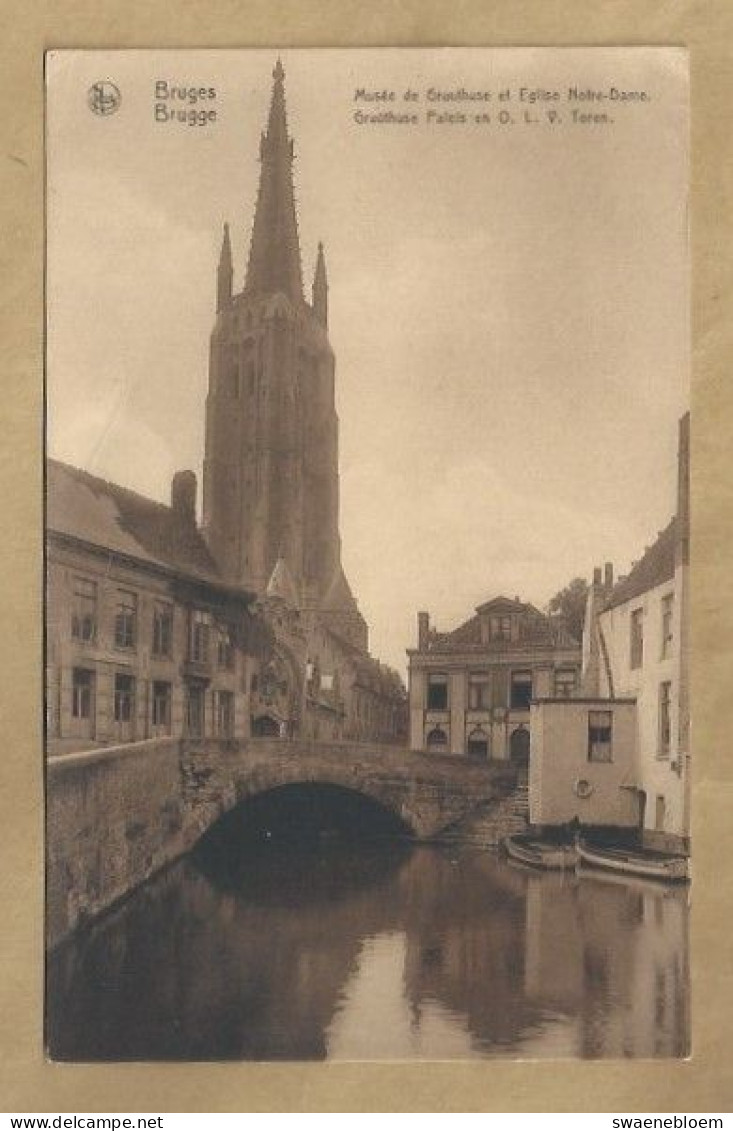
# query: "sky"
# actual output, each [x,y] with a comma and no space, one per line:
[508,303]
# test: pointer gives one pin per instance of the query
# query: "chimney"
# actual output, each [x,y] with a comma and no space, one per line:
[423,631]
[597,576]
[608,575]
[183,496]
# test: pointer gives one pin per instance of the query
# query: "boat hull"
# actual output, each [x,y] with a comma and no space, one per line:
[671,870]
[554,857]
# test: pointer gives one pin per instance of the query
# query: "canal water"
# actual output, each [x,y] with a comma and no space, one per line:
[348,941]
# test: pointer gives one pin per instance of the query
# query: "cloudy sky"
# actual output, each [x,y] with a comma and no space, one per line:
[508,305]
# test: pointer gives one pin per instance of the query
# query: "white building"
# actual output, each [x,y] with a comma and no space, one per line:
[586,762]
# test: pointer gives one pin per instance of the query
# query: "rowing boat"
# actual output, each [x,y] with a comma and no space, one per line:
[655,866]
[540,854]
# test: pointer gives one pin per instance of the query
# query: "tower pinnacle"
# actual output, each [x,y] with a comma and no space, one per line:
[320,288]
[225,273]
[274,255]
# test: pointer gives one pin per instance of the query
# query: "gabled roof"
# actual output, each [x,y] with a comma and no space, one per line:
[653,569]
[339,597]
[498,604]
[109,517]
[535,628]
[281,584]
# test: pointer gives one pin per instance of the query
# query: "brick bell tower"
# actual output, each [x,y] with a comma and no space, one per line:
[271,488]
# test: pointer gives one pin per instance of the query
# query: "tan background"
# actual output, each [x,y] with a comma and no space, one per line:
[29,1084]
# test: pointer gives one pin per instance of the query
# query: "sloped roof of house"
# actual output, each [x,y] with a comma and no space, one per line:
[653,569]
[536,629]
[109,517]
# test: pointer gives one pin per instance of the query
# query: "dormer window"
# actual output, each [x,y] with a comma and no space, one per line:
[500,628]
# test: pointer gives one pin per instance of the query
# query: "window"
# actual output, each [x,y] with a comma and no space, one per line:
[665,717]
[500,628]
[162,629]
[84,609]
[199,643]
[224,701]
[125,619]
[521,695]
[478,744]
[437,739]
[437,692]
[82,693]
[225,648]
[565,683]
[667,609]
[124,698]
[162,706]
[479,691]
[327,681]
[195,712]
[637,638]
[599,736]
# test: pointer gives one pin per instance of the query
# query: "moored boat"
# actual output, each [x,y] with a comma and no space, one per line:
[651,865]
[539,853]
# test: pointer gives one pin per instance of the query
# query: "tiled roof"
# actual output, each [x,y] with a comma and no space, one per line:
[535,628]
[653,569]
[105,515]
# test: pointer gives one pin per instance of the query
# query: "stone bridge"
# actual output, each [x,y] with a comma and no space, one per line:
[117,814]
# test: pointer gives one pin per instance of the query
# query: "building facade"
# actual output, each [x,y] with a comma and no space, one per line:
[143,637]
[588,763]
[470,689]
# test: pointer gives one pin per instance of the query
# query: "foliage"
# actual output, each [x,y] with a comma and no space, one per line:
[570,603]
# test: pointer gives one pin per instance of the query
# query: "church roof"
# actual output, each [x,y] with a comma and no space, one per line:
[281,584]
[339,597]
[653,569]
[112,518]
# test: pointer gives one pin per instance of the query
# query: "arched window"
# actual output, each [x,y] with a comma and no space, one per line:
[478,744]
[519,746]
[265,726]
[437,739]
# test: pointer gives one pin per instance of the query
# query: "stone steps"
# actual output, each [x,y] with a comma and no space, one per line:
[491,822]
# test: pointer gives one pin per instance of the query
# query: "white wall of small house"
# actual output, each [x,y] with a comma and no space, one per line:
[559,760]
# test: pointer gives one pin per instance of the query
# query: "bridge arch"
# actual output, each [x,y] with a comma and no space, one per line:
[390,796]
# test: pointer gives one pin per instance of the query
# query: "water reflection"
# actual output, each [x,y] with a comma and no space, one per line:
[384,950]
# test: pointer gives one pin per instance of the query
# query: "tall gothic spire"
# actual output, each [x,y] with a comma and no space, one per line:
[225,273]
[320,288]
[274,254]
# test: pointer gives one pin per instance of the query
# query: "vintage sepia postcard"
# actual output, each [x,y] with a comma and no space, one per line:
[367,554]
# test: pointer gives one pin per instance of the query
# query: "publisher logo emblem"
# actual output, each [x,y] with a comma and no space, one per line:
[104,98]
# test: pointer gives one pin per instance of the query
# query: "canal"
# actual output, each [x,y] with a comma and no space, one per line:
[309,927]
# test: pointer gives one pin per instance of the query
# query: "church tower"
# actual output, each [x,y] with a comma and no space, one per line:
[271,490]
